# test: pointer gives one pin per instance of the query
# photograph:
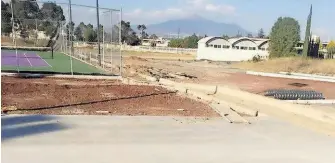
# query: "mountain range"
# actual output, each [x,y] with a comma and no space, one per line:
[194,24]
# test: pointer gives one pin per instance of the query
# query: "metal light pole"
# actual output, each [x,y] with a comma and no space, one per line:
[98,33]
[14,36]
[120,42]
[111,12]
[70,36]
[12,11]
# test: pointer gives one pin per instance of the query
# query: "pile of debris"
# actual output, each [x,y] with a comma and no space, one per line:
[160,73]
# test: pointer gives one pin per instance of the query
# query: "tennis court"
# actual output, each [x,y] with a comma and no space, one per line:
[22,58]
[43,60]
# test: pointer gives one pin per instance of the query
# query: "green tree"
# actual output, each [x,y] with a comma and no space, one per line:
[127,34]
[176,43]
[191,41]
[250,35]
[79,31]
[187,42]
[142,28]
[238,35]
[27,9]
[101,27]
[24,33]
[284,35]
[145,35]
[261,33]
[126,31]
[24,12]
[90,34]
[69,26]
[53,15]
[6,15]
[153,36]
[50,29]
[132,39]
[225,37]
[307,34]
[331,49]
[51,11]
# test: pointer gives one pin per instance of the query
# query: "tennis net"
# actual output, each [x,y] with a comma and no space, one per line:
[27,52]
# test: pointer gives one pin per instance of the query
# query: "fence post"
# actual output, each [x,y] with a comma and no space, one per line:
[120,42]
[91,57]
[70,37]
[111,12]
[103,47]
[14,38]
[98,34]
[36,32]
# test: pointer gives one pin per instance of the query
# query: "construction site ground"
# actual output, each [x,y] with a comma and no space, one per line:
[171,127]
[75,96]
[87,97]
[216,73]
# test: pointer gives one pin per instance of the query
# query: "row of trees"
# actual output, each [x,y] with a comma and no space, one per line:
[89,33]
[331,49]
[285,35]
[260,34]
[192,41]
[187,42]
[84,32]
[29,16]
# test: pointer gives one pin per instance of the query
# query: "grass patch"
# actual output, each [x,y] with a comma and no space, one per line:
[291,64]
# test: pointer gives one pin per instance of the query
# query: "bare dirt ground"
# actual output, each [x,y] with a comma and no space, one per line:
[292,64]
[70,96]
[218,73]
[160,56]
[82,97]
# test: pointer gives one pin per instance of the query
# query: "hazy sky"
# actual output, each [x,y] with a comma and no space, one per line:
[250,14]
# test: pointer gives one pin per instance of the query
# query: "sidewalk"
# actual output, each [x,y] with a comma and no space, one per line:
[87,139]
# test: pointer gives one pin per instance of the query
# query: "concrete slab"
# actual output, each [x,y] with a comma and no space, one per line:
[158,139]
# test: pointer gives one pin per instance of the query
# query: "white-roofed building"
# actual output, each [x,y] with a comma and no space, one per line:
[234,49]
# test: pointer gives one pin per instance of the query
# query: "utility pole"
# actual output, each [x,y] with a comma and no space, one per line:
[178,32]
[178,38]
[98,33]
[13,30]
[70,38]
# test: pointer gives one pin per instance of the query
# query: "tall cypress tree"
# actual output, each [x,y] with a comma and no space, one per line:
[308,33]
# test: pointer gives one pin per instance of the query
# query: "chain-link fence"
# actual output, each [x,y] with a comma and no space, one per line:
[60,38]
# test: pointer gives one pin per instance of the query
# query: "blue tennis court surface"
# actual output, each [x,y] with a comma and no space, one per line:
[22,58]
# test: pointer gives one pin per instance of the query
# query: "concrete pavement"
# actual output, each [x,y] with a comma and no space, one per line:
[105,139]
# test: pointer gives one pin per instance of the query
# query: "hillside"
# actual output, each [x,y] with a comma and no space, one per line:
[195,24]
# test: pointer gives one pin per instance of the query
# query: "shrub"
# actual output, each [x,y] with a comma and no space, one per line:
[256,58]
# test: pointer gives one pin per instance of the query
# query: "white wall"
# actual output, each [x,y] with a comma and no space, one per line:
[265,46]
[222,54]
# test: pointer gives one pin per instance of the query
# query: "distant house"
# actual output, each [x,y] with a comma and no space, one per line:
[241,49]
[159,42]
[32,35]
[234,49]
[300,47]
